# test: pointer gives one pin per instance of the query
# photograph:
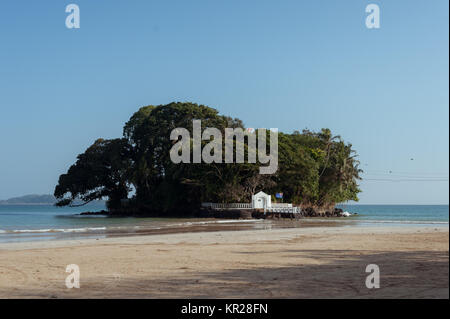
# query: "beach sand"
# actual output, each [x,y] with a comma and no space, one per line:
[319,262]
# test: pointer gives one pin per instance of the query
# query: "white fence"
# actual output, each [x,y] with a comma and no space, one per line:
[281,205]
[227,205]
[275,208]
[288,210]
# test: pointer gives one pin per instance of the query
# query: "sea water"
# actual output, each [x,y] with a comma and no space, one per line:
[45,222]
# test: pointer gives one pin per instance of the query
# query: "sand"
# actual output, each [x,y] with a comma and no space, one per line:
[320,262]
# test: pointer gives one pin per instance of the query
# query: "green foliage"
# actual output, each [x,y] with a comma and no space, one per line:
[325,169]
[314,168]
[101,171]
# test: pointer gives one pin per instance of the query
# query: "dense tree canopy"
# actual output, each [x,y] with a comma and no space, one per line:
[100,172]
[314,169]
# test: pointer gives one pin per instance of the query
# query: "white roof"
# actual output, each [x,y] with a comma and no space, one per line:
[260,194]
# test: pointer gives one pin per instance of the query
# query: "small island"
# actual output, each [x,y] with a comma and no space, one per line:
[136,176]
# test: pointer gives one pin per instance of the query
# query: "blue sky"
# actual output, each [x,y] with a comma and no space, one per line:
[286,64]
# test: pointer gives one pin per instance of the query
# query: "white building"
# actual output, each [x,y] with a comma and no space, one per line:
[261,200]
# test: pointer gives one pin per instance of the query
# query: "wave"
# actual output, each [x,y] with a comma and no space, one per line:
[210,222]
[228,221]
[52,230]
[119,228]
[350,220]
[403,222]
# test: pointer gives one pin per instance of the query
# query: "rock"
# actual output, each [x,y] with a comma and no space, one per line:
[346,214]
[102,212]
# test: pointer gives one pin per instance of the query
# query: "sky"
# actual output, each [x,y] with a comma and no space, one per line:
[284,64]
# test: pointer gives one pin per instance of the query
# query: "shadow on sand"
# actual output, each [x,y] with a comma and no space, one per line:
[327,274]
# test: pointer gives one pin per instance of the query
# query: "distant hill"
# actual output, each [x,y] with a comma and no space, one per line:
[35,200]
[30,200]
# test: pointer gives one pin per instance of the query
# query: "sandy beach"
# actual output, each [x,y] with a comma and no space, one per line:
[319,262]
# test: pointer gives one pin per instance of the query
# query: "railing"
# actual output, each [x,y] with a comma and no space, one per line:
[281,205]
[275,208]
[227,205]
[287,210]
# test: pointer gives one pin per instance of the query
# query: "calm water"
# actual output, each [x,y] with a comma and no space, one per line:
[431,214]
[24,223]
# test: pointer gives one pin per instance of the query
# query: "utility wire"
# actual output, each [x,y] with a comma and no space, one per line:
[405,180]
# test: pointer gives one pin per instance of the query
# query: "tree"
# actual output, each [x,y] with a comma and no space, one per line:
[100,172]
[314,169]
[160,183]
[297,176]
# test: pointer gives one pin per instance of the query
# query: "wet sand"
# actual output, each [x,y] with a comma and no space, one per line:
[168,226]
[310,262]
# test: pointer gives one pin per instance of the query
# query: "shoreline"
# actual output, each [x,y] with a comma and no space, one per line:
[232,236]
[198,225]
[310,262]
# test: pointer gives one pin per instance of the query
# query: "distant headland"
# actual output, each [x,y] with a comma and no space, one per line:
[32,199]
[35,199]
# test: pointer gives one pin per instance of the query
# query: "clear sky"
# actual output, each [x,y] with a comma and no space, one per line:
[285,64]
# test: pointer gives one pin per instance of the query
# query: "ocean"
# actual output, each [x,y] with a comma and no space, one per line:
[42,222]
